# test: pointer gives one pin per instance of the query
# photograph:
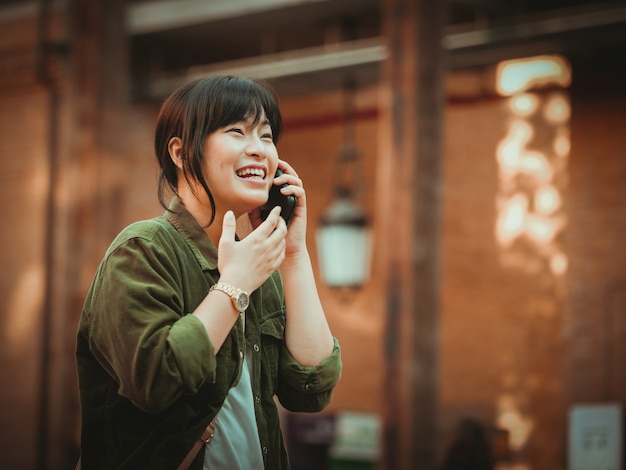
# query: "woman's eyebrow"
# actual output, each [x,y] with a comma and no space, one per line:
[251,122]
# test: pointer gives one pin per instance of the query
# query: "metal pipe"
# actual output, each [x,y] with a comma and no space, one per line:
[555,24]
[315,59]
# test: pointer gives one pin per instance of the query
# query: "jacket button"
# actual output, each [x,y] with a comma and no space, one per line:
[265,450]
[256,348]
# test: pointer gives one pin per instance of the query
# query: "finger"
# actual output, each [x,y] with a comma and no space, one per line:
[287,168]
[274,216]
[277,234]
[288,182]
[280,229]
[266,227]
[229,226]
[277,242]
[278,254]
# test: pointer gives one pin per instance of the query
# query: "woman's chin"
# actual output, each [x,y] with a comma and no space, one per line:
[252,204]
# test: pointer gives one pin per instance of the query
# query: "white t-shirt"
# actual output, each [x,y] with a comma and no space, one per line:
[235,444]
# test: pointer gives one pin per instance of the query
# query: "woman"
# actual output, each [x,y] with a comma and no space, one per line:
[185,322]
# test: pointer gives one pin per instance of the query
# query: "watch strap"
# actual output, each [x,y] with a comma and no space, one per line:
[226,288]
[232,291]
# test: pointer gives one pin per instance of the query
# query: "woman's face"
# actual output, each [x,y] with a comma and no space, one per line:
[239,162]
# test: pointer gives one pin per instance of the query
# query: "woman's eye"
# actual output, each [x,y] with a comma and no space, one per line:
[236,129]
[267,136]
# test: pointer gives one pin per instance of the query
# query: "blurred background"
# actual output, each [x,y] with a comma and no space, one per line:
[471,152]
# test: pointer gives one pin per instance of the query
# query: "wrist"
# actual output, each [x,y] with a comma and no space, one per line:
[239,298]
[295,262]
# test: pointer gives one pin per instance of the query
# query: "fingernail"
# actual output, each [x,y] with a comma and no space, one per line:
[230,217]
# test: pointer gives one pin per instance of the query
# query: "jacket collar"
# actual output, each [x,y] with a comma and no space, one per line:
[196,238]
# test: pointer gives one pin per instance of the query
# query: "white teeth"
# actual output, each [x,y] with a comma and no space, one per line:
[251,172]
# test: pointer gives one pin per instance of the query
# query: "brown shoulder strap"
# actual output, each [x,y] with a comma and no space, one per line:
[206,437]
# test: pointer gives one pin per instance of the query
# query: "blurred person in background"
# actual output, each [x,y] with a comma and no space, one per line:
[470,449]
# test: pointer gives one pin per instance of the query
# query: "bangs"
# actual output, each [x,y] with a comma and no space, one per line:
[201,107]
[241,99]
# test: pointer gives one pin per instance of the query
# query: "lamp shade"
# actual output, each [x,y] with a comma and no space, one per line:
[344,244]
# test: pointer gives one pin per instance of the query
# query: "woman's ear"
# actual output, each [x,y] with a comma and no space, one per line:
[175,149]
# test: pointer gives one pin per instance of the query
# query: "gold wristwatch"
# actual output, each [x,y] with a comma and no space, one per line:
[240,299]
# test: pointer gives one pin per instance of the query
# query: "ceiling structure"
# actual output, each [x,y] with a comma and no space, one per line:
[311,44]
[294,44]
[300,45]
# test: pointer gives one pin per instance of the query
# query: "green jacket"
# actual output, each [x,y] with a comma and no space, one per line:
[149,379]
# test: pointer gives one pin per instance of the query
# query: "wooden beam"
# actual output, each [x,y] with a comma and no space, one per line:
[283,64]
[151,17]
[409,212]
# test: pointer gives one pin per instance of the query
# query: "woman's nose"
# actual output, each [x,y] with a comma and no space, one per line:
[255,147]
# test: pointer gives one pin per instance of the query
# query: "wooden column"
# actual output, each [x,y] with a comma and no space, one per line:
[91,118]
[409,226]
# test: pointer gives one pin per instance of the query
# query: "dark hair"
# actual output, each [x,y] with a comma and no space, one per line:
[197,109]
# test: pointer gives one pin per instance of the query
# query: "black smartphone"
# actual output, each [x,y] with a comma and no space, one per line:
[276,198]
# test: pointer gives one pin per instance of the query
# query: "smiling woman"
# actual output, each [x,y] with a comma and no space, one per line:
[239,101]
[189,329]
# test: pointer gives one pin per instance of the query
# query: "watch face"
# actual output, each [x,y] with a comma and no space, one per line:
[242,301]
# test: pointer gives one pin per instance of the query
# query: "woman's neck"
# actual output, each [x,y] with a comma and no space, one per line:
[201,211]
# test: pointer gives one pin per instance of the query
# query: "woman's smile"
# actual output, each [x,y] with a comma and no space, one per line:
[253,173]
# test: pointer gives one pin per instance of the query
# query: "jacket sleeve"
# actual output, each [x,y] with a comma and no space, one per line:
[308,389]
[138,330]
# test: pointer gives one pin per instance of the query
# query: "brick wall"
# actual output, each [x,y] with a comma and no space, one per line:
[501,341]
[23,192]
[520,345]
[596,316]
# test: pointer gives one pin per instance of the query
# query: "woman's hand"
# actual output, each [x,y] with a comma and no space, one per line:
[248,263]
[296,236]
[307,335]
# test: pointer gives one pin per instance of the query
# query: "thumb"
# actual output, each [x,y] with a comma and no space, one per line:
[229,226]
[227,241]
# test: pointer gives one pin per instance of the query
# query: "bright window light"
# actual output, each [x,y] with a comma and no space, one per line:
[514,76]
